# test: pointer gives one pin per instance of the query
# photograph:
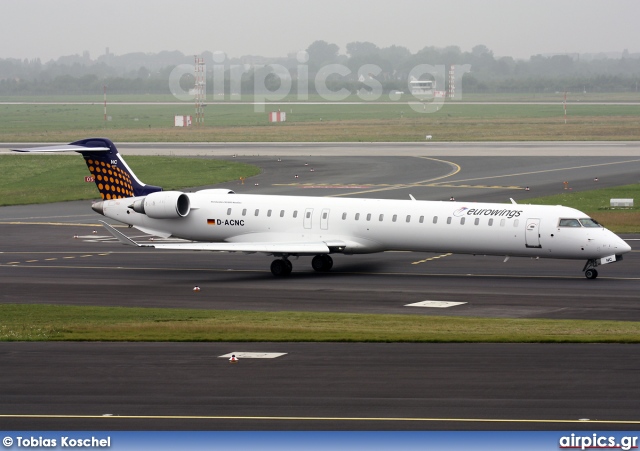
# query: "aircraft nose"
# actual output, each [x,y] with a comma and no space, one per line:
[624,246]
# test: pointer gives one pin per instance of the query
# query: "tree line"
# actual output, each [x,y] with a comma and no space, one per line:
[142,73]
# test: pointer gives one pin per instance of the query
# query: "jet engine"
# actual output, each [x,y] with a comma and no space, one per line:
[163,205]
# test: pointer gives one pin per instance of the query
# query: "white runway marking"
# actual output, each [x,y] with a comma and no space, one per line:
[435,304]
[254,355]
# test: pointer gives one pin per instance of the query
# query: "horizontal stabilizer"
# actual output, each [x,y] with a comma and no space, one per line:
[63,148]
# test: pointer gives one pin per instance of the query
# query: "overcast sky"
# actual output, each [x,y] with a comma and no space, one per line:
[520,28]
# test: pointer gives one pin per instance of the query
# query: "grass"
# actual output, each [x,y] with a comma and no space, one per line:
[74,323]
[29,179]
[393,121]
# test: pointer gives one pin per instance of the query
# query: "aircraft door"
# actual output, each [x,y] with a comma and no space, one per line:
[532,233]
[324,219]
[308,216]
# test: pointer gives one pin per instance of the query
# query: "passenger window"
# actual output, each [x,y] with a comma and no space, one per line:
[368,216]
[421,219]
[381,218]
[268,213]
[324,215]
[357,216]
[477,221]
[516,222]
[244,212]
[462,220]
[394,218]
[308,214]
[344,216]
[408,218]
[257,211]
[490,221]
[435,219]
[502,222]
[282,213]
[449,220]
[295,213]
[569,223]
[228,211]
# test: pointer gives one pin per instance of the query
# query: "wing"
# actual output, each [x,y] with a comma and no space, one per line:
[318,247]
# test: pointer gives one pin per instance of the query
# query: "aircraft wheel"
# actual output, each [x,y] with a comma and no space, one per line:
[281,268]
[322,263]
[591,273]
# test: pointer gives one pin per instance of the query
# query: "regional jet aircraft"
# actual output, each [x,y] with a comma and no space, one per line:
[318,227]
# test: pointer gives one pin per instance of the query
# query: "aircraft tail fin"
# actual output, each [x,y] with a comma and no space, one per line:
[112,175]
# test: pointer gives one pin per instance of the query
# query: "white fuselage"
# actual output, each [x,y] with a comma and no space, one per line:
[375,225]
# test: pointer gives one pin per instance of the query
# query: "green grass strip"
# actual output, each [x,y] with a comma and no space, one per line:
[592,200]
[74,323]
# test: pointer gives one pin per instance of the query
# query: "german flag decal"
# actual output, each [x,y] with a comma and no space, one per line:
[211,221]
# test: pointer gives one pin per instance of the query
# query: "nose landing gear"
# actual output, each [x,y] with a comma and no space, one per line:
[589,269]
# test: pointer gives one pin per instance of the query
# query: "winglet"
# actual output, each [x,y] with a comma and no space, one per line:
[124,239]
[513,201]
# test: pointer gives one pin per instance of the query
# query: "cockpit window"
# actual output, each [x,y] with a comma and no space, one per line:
[569,223]
[588,222]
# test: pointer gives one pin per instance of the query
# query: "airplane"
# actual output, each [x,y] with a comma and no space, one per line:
[319,227]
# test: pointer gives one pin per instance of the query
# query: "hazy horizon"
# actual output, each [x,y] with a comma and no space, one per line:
[48,30]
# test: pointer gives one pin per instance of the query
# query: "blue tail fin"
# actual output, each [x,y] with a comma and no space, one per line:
[114,179]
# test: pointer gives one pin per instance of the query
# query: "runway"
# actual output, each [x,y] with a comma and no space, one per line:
[331,386]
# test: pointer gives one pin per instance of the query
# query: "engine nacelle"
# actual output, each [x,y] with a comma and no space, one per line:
[163,205]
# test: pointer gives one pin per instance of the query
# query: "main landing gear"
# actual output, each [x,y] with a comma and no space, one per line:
[282,267]
[322,263]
